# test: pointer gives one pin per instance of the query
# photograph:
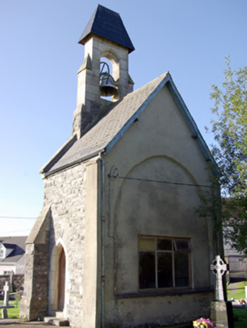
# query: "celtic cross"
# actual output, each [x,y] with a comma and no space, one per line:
[219,268]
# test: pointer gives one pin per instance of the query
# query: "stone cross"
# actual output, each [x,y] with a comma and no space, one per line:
[6,294]
[219,268]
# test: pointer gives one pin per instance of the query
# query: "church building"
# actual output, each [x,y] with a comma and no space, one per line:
[118,241]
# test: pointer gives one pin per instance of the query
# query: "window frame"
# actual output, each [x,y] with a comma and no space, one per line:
[173,251]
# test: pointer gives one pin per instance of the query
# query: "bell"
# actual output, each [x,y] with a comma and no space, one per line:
[107,83]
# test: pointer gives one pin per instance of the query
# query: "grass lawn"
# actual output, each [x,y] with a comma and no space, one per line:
[241,315]
[240,324]
[236,290]
[13,313]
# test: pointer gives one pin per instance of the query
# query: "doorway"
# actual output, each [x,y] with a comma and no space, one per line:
[61,280]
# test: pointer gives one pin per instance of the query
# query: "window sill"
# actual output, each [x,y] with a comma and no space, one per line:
[164,293]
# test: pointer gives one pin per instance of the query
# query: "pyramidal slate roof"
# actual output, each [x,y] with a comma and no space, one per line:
[110,128]
[108,25]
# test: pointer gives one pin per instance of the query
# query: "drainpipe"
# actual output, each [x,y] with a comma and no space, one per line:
[102,241]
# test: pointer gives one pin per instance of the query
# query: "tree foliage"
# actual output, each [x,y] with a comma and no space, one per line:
[230,131]
[230,152]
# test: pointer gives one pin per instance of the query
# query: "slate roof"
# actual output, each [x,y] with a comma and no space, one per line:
[18,244]
[108,25]
[109,129]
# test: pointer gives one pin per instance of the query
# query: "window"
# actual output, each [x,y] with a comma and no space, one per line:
[164,263]
[2,251]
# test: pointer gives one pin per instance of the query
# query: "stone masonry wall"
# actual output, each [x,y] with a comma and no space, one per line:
[39,303]
[34,302]
[65,193]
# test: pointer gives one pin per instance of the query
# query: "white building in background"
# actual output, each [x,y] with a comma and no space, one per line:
[12,255]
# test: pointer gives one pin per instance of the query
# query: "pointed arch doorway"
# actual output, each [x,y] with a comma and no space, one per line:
[58,279]
[61,280]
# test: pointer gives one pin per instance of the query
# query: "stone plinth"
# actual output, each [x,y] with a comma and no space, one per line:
[219,314]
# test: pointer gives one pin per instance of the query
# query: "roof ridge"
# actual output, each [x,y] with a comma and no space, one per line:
[145,85]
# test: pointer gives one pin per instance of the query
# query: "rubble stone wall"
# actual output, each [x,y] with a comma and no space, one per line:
[65,193]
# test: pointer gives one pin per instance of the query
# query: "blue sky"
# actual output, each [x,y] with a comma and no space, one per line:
[40,57]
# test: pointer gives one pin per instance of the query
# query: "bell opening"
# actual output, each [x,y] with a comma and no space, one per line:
[108,86]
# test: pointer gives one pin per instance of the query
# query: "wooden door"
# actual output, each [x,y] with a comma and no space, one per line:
[61,281]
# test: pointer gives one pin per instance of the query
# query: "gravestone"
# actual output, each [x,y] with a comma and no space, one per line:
[219,307]
[218,267]
[6,294]
[5,300]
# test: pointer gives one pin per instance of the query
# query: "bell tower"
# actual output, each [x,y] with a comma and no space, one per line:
[104,37]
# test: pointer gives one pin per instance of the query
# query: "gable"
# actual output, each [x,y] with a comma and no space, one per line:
[168,133]
[155,172]
[118,119]
[6,250]
[161,131]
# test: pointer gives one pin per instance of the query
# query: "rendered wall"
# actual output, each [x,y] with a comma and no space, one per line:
[20,266]
[7,267]
[158,147]
[92,260]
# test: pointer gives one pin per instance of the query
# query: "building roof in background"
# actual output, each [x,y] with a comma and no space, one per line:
[108,25]
[17,244]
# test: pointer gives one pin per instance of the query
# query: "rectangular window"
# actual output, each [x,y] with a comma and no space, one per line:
[164,262]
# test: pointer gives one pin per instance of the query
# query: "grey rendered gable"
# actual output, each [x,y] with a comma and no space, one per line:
[195,133]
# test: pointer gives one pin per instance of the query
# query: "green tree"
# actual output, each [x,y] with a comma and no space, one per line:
[230,152]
